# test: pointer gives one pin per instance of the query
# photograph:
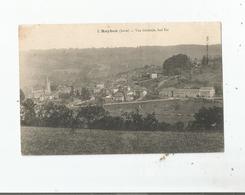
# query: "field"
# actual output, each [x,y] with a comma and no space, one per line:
[61,141]
[166,110]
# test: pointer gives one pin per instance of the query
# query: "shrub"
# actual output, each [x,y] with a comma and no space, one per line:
[150,122]
[208,119]
[28,115]
[178,126]
[53,115]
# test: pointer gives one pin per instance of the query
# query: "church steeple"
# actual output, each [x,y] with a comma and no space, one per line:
[48,88]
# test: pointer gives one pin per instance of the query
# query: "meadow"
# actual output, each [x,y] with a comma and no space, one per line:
[63,141]
[166,110]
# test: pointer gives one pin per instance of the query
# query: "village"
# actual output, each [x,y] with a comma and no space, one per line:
[116,92]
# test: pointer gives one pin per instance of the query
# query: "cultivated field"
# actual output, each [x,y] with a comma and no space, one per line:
[51,141]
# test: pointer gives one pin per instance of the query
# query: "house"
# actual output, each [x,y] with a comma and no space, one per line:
[167,92]
[121,81]
[186,92]
[39,93]
[114,90]
[119,97]
[36,94]
[130,96]
[64,89]
[173,92]
[108,99]
[153,75]
[139,92]
[100,86]
[207,92]
[126,88]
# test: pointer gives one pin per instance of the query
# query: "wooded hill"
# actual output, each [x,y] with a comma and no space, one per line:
[101,62]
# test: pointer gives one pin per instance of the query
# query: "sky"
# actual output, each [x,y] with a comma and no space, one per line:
[57,36]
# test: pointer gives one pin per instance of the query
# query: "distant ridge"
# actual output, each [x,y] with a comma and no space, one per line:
[108,61]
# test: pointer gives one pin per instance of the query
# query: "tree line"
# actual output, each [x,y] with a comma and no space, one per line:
[50,114]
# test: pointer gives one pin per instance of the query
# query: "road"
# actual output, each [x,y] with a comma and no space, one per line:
[155,100]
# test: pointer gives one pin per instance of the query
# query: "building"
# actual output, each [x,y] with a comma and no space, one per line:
[38,93]
[114,90]
[64,89]
[121,81]
[48,87]
[108,99]
[130,96]
[119,97]
[186,93]
[153,76]
[98,88]
[167,92]
[207,92]
[139,92]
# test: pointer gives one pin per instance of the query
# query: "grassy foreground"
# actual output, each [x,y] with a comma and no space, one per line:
[53,141]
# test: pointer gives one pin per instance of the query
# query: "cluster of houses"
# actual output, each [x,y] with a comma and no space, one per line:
[125,94]
[119,91]
[43,93]
[204,92]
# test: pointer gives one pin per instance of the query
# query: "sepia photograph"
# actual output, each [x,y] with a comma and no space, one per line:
[121,88]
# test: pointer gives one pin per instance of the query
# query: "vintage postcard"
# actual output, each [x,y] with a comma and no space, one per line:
[121,88]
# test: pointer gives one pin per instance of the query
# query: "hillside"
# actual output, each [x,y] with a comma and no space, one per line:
[195,77]
[99,62]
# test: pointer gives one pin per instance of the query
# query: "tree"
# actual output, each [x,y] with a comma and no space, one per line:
[28,116]
[150,122]
[204,60]
[22,96]
[72,91]
[52,115]
[208,119]
[178,126]
[177,65]
[136,120]
[88,115]
[85,94]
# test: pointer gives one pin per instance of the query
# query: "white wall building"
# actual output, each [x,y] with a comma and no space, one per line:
[208,92]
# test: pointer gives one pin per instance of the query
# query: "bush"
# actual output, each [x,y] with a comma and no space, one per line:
[208,119]
[164,126]
[150,122]
[90,115]
[52,115]
[28,115]
[178,126]
[96,117]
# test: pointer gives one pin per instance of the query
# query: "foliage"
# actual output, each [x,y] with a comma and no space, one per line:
[85,94]
[28,115]
[176,65]
[178,126]
[53,115]
[96,117]
[208,119]
[204,60]
[89,115]
[150,122]
[22,96]
[64,96]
